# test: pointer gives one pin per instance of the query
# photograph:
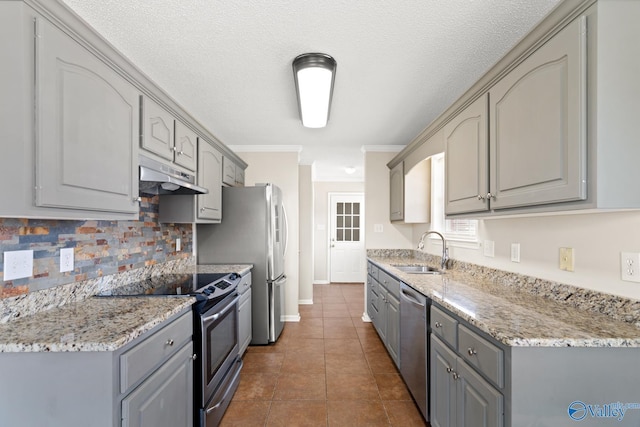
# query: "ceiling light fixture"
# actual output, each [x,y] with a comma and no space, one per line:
[314,74]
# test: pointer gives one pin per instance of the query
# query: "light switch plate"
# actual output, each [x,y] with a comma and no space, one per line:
[515,252]
[566,259]
[66,259]
[18,264]
[178,245]
[489,248]
[377,228]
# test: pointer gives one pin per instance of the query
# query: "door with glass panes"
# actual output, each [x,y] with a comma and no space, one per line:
[346,246]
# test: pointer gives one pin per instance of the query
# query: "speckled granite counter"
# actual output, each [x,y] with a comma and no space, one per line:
[69,318]
[96,324]
[513,316]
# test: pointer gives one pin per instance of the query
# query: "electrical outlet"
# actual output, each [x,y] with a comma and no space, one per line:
[178,245]
[566,259]
[515,252]
[630,266]
[66,259]
[18,264]
[489,248]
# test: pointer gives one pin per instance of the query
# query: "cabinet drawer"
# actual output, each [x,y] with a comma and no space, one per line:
[138,362]
[391,283]
[373,271]
[480,353]
[444,326]
[245,283]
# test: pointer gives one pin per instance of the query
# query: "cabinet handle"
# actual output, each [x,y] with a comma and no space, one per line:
[491,196]
[480,197]
[456,376]
[449,370]
[137,199]
[438,325]
[174,149]
[471,351]
[169,342]
[194,357]
[202,209]
[180,153]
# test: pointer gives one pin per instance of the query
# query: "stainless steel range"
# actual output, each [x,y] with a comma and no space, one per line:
[215,335]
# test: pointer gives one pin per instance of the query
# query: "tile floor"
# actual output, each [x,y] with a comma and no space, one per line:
[330,369]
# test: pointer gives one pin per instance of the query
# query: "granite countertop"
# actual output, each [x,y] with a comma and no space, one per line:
[240,269]
[512,316]
[98,323]
[95,324]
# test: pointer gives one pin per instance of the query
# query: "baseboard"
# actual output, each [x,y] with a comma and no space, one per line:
[366,318]
[321,282]
[292,318]
[305,302]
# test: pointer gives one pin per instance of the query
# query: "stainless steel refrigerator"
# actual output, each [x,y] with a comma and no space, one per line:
[253,231]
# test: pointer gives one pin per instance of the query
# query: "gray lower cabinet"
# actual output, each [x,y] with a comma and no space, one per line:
[383,307]
[244,313]
[148,382]
[459,396]
[147,405]
[200,208]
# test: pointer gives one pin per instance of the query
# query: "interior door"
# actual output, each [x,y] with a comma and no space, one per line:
[346,246]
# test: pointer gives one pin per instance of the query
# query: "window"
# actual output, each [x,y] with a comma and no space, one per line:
[348,222]
[465,230]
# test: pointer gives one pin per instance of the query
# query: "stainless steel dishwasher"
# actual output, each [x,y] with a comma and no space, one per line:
[413,345]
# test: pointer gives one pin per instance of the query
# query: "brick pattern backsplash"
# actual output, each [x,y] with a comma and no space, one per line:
[100,247]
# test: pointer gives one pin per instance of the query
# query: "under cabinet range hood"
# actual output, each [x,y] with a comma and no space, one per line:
[159,178]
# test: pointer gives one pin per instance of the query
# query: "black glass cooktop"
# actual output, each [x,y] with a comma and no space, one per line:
[170,284]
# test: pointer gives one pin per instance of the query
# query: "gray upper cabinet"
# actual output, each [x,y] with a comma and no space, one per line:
[167,137]
[396,191]
[86,128]
[537,141]
[534,119]
[210,176]
[186,146]
[157,129]
[233,174]
[200,208]
[466,160]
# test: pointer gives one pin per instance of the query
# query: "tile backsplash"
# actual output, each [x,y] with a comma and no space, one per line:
[100,247]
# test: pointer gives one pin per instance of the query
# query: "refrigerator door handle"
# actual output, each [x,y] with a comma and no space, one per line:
[286,229]
[281,280]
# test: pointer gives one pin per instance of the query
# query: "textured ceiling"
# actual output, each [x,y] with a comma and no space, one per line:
[400,63]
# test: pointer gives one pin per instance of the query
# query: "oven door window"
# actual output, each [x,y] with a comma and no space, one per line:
[221,341]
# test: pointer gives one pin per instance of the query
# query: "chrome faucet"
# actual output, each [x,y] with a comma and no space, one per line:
[445,250]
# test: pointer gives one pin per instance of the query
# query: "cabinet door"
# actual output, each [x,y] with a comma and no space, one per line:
[396,193]
[393,328]
[229,172]
[479,404]
[442,385]
[157,132]
[165,399]
[538,126]
[466,160]
[87,121]
[239,176]
[244,320]
[209,176]
[186,146]
[380,312]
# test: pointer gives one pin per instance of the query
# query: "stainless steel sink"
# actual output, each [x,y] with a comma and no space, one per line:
[417,269]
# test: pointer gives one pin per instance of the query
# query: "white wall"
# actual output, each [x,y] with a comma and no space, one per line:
[281,169]
[376,175]
[321,224]
[597,240]
[306,197]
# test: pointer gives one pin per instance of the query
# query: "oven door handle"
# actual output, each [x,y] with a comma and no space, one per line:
[220,313]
